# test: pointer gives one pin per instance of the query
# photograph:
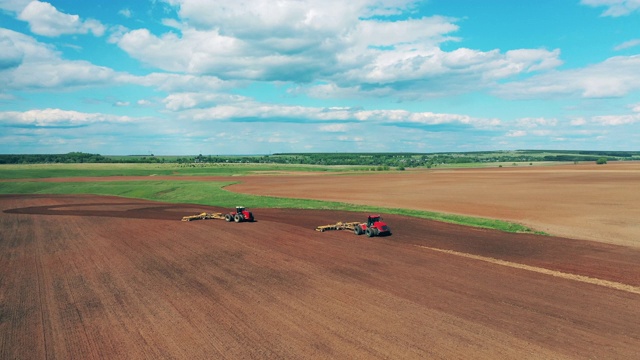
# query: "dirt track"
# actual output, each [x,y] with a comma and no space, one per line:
[88,277]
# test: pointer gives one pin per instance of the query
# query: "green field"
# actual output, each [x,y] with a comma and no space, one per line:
[40,171]
[196,192]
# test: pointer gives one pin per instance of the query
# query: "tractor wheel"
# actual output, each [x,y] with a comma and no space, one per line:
[237,218]
[357,230]
[370,232]
[228,217]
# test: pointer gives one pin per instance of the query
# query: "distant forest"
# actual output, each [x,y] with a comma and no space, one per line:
[400,160]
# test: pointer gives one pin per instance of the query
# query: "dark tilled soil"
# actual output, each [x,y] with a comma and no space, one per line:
[104,277]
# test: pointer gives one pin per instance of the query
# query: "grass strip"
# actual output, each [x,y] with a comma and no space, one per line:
[41,171]
[214,194]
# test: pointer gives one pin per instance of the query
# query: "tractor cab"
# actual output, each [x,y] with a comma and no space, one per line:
[372,219]
[239,209]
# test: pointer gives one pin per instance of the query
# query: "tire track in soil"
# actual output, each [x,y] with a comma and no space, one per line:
[581,278]
[41,296]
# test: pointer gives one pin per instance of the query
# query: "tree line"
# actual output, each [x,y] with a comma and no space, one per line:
[397,160]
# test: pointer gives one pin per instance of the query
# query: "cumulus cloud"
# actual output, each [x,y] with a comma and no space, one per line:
[212,52]
[615,8]
[183,101]
[262,18]
[536,122]
[58,117]
[578,121]
[350,47]
[177,82]
[433,72]
[615,77]
[196,52]
[616,120]
[193,107]
[516,133]
[44,19]
[11,55]
[33,65]
[332,128]
[14,5]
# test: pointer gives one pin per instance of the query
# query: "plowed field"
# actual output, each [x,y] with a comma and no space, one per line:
[86,277]
[593,202]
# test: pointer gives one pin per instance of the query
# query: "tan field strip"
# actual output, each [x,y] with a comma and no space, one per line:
[563,275]
[584,201]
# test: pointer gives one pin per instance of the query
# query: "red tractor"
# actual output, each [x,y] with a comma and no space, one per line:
[241,214]
[373,227]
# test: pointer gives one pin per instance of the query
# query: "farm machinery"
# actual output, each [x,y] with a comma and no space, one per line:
[239,215]
[373,227]
[203,216]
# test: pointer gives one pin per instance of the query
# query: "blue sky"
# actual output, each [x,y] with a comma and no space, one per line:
[187,77]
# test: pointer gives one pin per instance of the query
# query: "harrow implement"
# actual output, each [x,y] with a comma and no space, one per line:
[203,216]
[338,226]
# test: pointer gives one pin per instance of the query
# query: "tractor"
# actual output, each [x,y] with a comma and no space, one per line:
[241,214]
[373,227]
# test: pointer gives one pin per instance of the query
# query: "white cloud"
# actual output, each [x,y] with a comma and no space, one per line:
[183,101]
[536,122]
[615,8]
[193,107]
[334,42]
[45,19]
[516,133]
[33,65]
[60,74]
[14,5]
[627,44]
[530,60]
[11,55]
[578,121]
[125,12]
[58,117]
[334,128]
[144,102]
[423,32]
[196,52]
[615,77]
[541,132]
[177,82]
[286,18]
[28,64]
[616,120]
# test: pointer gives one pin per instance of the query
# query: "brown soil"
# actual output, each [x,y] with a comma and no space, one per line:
[103,277]
[593,202]
[585,201]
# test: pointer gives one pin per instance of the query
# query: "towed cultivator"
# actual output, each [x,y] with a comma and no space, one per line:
[373,227]
[203,216]
[338,226]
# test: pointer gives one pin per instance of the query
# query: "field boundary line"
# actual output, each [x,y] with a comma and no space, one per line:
[581,278]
